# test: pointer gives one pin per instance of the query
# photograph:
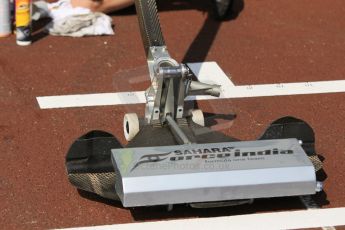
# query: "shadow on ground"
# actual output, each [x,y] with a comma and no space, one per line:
[38,29]
[202,43]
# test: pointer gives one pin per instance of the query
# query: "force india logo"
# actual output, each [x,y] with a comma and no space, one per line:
[205,153]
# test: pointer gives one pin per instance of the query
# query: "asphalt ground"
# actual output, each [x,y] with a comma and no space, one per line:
[271,41]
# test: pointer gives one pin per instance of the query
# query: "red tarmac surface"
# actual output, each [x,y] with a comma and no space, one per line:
[270,41]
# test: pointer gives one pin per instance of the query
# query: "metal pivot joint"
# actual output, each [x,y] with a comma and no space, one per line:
[170,81]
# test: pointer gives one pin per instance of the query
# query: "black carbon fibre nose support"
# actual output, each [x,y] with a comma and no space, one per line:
[149,24]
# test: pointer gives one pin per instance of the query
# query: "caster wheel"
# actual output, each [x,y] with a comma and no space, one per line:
[198,117]
[130,126]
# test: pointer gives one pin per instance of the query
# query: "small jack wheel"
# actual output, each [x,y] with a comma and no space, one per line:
[198,117]
[130,126]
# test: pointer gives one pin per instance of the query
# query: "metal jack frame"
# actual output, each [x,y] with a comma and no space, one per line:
[171,81]
[150,169]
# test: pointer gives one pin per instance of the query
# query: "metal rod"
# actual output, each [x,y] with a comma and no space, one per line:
[181,137]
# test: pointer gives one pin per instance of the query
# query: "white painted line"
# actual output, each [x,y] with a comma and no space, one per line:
[284,89]
[84,100]
[278,220]
[310,204]
[138,97]
[208,72]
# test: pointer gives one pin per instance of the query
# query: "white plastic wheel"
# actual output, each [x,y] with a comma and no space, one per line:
[130,126]
[198,117]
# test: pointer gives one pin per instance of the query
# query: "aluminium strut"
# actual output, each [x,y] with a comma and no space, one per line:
[170,81]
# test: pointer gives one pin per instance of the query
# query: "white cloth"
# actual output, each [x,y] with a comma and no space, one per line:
[76,21]
[82,25]
[63,8]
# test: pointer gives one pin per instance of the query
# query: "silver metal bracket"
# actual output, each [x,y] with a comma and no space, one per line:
[170,80]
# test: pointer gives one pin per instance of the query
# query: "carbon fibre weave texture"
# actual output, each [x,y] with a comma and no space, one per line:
[149,24]
[102,184]
[315,160]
